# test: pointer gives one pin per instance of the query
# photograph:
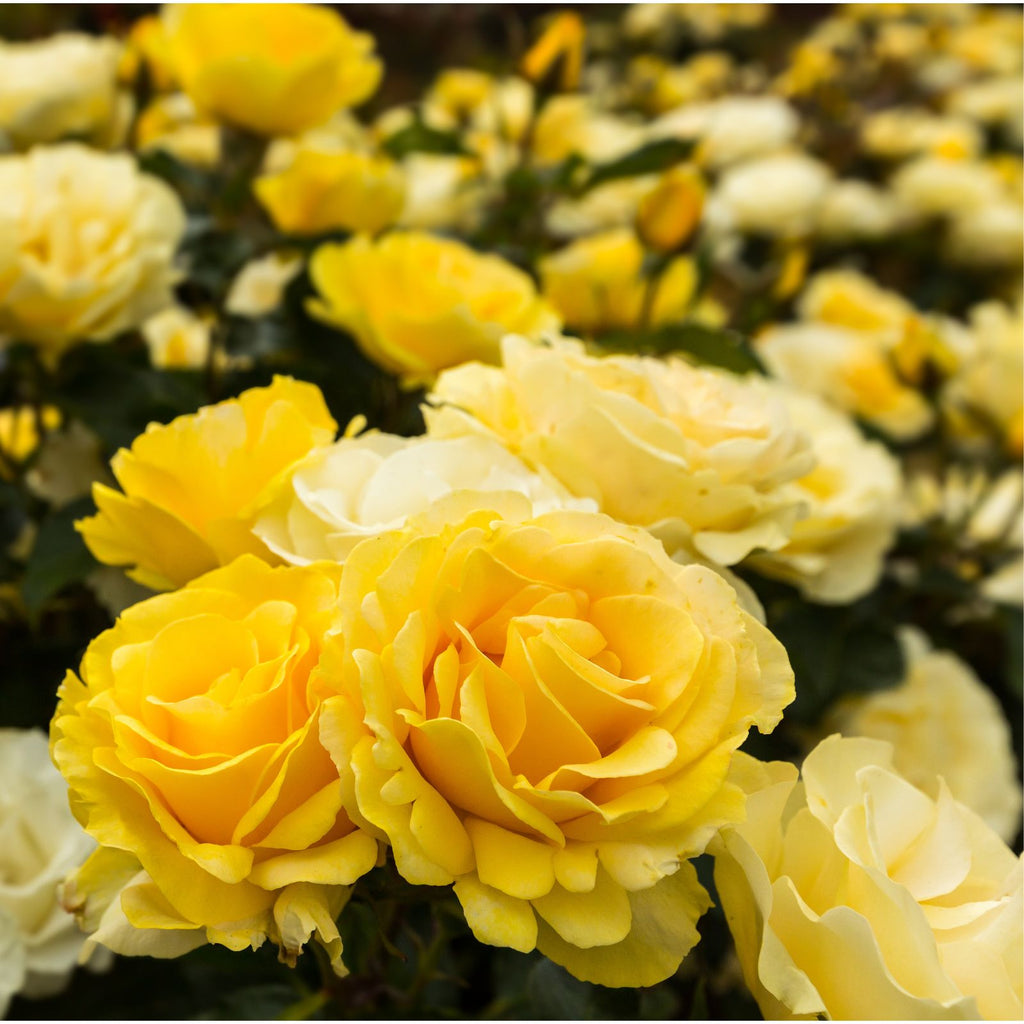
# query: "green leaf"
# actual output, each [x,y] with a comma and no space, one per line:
[59,556]
[713,346]
[421,138]
[554,994]
[648,159]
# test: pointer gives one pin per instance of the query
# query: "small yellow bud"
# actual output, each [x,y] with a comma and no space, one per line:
[793,272]
[562,41]
[668,215]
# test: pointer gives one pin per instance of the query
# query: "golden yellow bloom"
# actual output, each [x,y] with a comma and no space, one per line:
[856,895]
[595,284]
[191,747]
[86,246]
[671,211]
[416,303]
[61,87]
[698,456]
[148,41]
[275,69]
[552,705]
[942,720]
[323,191]
[847,298]
[19,432]
[561,43]
[193,487]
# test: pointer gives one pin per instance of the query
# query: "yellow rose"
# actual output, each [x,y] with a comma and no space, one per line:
[191,748]
[455,304]
[481,102]
[19,433]
[576,124]
[366,485]
[847,298]
[698,456]
[560,46]
[856,895]
[171,123]
[276,69]
[147,43]
[193,487]
[59,87]
[837,549]
[323,191]
[595,283]
[942,720]
[551,707]
[87,245]
[851,369]
[177,339]
[613,204]
[443,192]
[669,214]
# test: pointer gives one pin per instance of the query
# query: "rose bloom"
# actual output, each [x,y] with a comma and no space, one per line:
[779,194]
[193,487]
[612,204]
[933,187]
[191,747]
[856,895]
[466,97]
[698,456]
[40,842]
[170,123]
[259,286]
[274,69]
[323,191]
[551,708]
[177,339]
[87,244]
[456,304]
[851,369]
[854,209]
[62,86]
[595,283]
[443,191]
[362,486]
[574,123]
[942,720]
[837,549]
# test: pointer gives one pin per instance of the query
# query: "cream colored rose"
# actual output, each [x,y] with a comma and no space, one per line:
[837,550]
[59,87]
[932,186]
[855,209]
[987,390]
[856,895]
[611,205]
[441,191]
[851,369]
[363,486]
[87,245]
[779,194]
[942,720]
[899,132]
[575,124]
[993,235]
[698,456]
[177,339]
[40,842]
[259,286]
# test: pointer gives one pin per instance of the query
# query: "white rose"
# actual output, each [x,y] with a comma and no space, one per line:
[942,720]
[837,550]
[87,246]
[857,895]
[990,236]
[697,456]
[855,209]
[741,127]
[59,87]
[779,194]
[40,843]
[367,485]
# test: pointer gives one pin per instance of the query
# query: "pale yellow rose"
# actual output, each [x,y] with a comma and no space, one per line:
[366,485]
[87,246]
[779,194]
[193,487]
[613,204]
[323,191]
[416,303]
[259,286]
[852,499]
[21,427]
[595,283]
[170,123]
[575,124]
[856,895]
[854,209]
[275,69]
[990,236]
[852,369]
[986,393]
[899,132]
[61,87]
[442,192]
[933,186]
[177,339]
[659,87]
[942,720]
[700,457]
[551,707]
[468,98]
[848,298]
[40,842]
[191,747]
